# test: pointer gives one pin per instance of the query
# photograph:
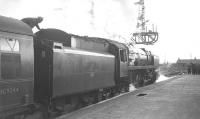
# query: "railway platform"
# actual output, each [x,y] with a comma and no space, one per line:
[176,98]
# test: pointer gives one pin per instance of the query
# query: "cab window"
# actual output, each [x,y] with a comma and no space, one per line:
[123,56]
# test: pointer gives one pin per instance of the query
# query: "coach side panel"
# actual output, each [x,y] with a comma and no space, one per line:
[16,70]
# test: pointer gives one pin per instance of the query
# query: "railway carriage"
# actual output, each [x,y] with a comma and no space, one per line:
[16,66]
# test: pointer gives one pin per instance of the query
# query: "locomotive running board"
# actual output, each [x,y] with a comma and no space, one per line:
[141,67]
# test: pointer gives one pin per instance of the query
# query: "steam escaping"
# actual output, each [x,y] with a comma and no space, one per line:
[98,18]
[113,19]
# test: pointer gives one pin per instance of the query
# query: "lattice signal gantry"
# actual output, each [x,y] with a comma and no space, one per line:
[147,38]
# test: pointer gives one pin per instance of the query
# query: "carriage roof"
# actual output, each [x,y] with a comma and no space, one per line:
[12,25]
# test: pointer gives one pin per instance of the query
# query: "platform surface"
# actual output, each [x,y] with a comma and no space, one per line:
[177,98]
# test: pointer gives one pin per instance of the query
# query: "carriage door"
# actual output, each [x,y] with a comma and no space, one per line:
[43,71]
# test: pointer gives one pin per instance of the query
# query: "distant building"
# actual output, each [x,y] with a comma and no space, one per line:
[188,61]
[189,65]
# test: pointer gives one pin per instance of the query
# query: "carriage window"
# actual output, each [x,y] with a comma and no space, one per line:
[10,65]
[10,59]
[9,44]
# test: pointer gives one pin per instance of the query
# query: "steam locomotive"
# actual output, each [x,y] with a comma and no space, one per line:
[53,71]
[143,67]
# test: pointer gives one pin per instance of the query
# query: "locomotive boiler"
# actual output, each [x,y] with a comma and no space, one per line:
[142,57]
[142,67]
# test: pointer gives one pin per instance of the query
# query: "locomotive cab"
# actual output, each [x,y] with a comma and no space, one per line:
[121,64]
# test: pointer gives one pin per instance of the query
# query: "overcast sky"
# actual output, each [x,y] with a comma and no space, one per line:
[177,21]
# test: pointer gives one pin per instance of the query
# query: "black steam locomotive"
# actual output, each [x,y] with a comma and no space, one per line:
[53,71]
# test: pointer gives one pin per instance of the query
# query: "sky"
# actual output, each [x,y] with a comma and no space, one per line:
[177,21]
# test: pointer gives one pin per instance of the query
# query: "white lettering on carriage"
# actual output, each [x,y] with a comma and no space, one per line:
[6,91]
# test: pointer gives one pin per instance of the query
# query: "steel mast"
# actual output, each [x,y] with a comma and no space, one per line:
[143,34]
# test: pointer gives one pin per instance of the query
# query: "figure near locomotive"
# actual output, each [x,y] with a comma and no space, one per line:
[51,71]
